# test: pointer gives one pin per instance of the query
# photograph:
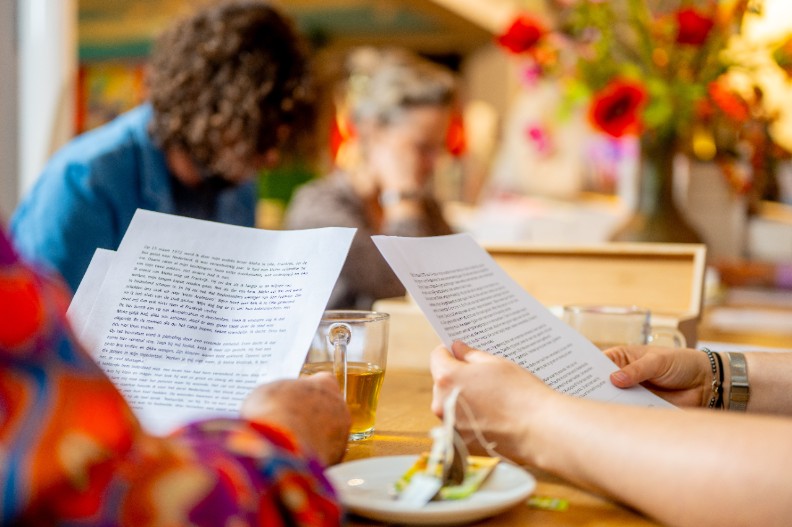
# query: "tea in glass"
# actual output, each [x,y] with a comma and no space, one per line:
[363,385]
[353,346]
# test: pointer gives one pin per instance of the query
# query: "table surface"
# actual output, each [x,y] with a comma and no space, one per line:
[402,427]
[404,419]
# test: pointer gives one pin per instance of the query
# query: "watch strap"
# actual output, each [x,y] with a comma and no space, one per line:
[739,391]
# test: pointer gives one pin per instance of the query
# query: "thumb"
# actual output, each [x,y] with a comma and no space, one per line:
[468,354]
[646,368]
[622,379]
[459,349]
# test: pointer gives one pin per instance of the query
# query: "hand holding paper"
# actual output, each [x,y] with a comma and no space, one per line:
[193,314]
[466,296]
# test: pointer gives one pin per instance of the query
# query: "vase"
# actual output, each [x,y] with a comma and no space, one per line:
[717,211]
[656,217]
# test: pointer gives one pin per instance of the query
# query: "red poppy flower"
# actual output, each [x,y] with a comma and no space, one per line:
[522,35]
[616,108]
[693,27]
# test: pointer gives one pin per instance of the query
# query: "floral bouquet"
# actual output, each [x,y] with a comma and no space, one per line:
[662,70]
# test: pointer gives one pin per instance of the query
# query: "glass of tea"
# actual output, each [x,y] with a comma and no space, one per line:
[609,326]
[353,345]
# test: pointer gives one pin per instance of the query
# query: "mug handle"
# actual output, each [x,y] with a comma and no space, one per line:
[339,335]
[665,334]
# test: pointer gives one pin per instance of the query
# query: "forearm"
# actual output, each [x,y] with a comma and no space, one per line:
[366,273]
[414,218]
[769,376]
[405,218]
[692,467]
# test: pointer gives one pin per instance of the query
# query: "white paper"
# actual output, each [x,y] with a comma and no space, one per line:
[466,296]
[85,297]
[193,314]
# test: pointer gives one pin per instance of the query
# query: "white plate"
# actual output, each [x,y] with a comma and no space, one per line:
[364,485]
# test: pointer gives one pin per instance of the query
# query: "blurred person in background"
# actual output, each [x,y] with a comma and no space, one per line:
[227,87]
[398,106]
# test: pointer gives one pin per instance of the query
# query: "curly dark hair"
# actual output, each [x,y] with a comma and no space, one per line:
[225,82]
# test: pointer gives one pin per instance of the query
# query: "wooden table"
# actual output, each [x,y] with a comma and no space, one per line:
[404,419]
[403,422]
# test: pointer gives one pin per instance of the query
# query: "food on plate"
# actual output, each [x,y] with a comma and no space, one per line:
[476,472]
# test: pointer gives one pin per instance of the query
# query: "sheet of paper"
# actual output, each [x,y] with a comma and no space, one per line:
[466,296]
[193,314]
[85,297]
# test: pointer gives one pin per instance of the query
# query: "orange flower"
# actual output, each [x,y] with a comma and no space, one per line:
[783,56]
[523,34]
[671,50]
[617,107]
[693,27]
[729,102]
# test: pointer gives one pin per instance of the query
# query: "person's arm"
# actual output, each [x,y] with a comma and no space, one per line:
[401,177]
[769,377]
[416,216]
[312,408]
[692,467]
[684,377]
[366,275]
[64,220]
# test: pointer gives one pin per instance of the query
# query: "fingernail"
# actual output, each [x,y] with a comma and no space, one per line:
[620,377]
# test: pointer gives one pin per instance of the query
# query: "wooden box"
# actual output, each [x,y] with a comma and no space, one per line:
[666,278]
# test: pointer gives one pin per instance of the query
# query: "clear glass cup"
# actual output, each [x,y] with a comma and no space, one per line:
[353,345]
[609,326]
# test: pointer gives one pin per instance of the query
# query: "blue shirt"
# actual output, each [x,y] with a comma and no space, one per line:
[91,188]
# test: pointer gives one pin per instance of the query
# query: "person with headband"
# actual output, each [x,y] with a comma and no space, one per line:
[226,87]
[724,460]
[399,107]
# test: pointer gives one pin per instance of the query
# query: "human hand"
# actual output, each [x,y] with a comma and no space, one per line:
[501,396]
[396,165]
[311,408]
[681,377]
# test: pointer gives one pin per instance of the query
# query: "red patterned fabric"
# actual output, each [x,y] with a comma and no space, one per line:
[73,452]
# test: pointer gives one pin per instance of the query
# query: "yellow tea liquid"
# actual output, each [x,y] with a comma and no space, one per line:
[364,381]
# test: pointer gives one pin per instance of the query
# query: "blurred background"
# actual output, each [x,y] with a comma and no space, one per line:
[522,164]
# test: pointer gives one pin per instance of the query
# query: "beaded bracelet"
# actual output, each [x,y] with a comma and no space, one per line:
[716,398]
[720,402]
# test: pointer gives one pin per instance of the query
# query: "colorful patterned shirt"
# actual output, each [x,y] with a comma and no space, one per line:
[72,452]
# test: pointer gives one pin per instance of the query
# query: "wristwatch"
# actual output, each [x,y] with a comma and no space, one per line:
[740,391]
